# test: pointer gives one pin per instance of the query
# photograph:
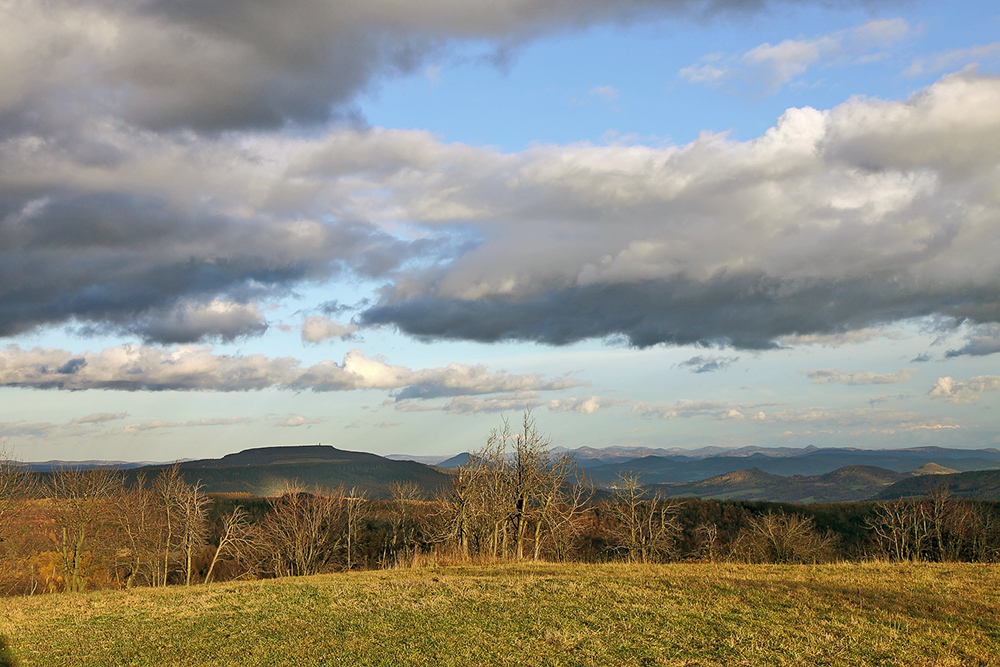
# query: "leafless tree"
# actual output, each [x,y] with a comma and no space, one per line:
[355,508]
[298,536]
[81,513]
[138,520]
[193,506]
[402,519]
[708,540]
[782,538]
[235,540]
[169,488]
[647,527]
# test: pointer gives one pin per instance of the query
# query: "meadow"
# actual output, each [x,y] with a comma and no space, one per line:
[531,614]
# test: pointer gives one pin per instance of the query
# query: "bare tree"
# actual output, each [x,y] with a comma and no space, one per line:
[193,506]
[169,488]
[782,538]
[402,518]
[298,536]
[137,518]
[647,527]
[235,540]
[355,511]
[708,539]
[81,512]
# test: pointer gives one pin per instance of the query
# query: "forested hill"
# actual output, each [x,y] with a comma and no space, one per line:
[979,484]
[267,471]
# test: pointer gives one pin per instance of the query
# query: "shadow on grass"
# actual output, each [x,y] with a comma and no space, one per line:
[7,658]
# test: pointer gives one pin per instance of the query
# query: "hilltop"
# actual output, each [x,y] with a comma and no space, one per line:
[543,614]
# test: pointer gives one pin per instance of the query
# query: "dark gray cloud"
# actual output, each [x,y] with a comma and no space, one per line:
[743,311]
[983,340]
[138,264]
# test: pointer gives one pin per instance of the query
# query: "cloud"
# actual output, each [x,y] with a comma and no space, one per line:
[685,409]
[828,376]
[100,417]
[833,221]
[195,368]
[140,427]
[707,364]
[298,420]
[982,340]
[606,93]
[950,60]
[587,405]
[883,420]
[832,340]
[216,65]
[921,358]
[770,66]
[969,391]
[316,329]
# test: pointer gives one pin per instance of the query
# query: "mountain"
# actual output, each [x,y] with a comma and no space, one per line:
[933,469]
[267,471]
[676,469]
[979,484]
[850,483]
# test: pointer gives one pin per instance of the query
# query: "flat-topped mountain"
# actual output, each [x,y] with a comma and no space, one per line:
[267,471]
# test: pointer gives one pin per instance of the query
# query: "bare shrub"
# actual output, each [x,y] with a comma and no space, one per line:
[782,538]
[644,527]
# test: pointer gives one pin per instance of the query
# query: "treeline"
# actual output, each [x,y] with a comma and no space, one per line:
[72,530]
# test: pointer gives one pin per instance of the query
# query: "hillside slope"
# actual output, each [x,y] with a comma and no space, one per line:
[625,615]
[979,484]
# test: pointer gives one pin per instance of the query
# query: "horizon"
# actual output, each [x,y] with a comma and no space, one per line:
[661,223]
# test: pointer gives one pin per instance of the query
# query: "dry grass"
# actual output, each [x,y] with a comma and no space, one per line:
[845,614]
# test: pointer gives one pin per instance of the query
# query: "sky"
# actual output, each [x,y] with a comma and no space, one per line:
[388,225]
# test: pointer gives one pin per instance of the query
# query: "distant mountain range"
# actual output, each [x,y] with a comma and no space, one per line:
[683,468]
[750,473]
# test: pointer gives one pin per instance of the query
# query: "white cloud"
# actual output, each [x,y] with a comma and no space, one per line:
[832,340]
[133,368]
[969,391]
[99,417]
[770,66]
[298,420]
[950,60]
[140,427]
[316,329]
[586,405]
[828,376]
[606,93]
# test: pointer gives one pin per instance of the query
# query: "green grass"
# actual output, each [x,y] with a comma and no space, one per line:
[685,614]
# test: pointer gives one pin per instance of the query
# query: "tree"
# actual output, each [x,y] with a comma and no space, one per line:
[234,541]
[782,538]
[646,527]
[81,513]
[298,537]
[193,508]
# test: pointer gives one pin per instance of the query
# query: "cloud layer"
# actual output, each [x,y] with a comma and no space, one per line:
[149,186]
[187,368]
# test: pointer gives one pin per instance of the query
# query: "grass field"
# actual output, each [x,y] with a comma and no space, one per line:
[684,614]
